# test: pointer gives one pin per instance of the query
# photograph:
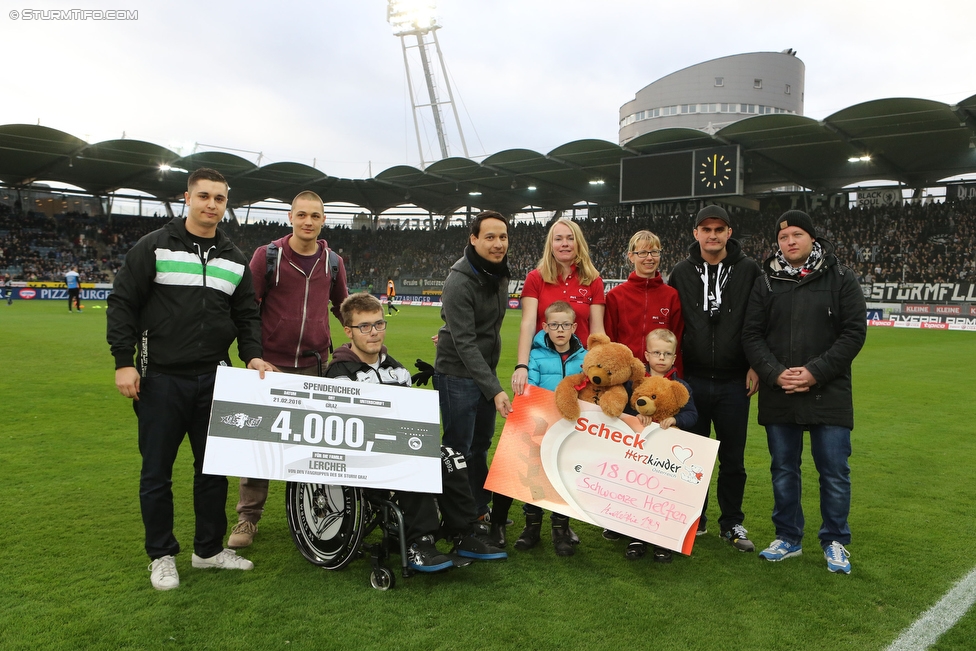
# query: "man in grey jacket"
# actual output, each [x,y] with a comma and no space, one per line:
[469,344]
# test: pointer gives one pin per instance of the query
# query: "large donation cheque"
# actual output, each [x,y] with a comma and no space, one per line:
[323,431]
[647,483]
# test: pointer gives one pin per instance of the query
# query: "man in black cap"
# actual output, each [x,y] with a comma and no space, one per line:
[804,325]
[714,283]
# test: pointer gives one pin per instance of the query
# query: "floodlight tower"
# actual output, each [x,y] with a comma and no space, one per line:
[416,18]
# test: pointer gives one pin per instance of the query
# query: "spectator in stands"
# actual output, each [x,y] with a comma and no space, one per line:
[295,279]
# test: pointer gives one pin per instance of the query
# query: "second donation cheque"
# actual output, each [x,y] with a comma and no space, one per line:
[647,483]
[324,431]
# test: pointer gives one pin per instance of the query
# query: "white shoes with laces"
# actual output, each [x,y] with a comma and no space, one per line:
[227,559]
[164,575]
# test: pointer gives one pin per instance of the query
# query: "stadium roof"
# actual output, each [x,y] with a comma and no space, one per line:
[915,142]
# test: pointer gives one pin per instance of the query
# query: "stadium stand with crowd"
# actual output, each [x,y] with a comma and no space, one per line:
[930,243]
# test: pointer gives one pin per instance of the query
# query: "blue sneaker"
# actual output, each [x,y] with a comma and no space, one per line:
[780,549]
[837,555]
[423,556]
[478,545]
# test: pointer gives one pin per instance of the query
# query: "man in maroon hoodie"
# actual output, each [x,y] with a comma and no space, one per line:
[295,279]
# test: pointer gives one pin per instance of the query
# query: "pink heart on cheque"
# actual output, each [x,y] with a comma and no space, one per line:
[682,454]
[619,479]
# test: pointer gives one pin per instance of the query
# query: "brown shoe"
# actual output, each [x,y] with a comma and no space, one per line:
[242,535]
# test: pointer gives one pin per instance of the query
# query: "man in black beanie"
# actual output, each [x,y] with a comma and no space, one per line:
[805,323]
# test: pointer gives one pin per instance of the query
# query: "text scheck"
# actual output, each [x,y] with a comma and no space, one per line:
[602,431]
[332,388]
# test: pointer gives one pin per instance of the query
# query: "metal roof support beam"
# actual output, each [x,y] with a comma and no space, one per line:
[782,169]
[34,174]
[965,116]
[552,187]
[886,165]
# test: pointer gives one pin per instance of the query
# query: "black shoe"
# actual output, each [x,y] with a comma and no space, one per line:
[479,546]
[562,540]
[611,535]
[662,555]
[529,537]
[635,550]
[497,534]
[423,556]
[738,537]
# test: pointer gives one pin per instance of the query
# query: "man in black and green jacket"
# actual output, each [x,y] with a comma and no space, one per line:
[183,295]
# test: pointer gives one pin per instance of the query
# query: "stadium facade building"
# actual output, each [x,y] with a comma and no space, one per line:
[711,95]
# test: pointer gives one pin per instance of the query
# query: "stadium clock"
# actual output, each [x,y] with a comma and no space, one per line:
[716,173]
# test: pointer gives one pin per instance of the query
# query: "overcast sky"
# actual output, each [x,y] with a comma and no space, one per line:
[325,81]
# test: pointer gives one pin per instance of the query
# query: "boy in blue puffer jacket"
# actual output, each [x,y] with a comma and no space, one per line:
[556,352]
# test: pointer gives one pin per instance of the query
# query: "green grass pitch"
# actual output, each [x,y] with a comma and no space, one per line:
[73,570]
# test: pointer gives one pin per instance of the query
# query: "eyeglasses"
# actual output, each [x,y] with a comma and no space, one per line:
[560,326]
[656,253]
[365,328]
[660,353]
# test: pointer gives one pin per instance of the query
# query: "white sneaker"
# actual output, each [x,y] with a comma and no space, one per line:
[225,560]
[164,575]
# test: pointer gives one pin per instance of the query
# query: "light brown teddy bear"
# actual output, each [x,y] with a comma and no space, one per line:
[606,367]
[658,397]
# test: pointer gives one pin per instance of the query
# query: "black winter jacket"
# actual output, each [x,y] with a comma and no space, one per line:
[182,307]
[346,364]
[818,322]
[712,345]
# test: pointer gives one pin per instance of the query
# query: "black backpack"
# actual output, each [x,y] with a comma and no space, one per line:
[272,260]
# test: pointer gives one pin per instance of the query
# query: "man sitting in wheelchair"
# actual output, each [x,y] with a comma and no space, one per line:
[364,359]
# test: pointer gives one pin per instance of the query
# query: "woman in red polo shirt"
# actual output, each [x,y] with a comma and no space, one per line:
[564,273]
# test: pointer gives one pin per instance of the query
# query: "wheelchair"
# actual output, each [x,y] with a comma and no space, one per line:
[329,525]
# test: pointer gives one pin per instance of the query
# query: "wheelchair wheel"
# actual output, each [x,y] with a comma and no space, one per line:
[382,578]
[326,522]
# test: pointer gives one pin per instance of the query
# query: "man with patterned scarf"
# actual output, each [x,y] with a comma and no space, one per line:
[475,300]
[804,325]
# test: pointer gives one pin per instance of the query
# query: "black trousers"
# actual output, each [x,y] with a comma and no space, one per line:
[169,408]
[456,504]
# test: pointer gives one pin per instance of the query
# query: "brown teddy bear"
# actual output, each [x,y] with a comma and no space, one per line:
[606,367]
[658,397]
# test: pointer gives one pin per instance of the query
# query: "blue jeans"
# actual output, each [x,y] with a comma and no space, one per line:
[469,425]
[831,448]
[724,403]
